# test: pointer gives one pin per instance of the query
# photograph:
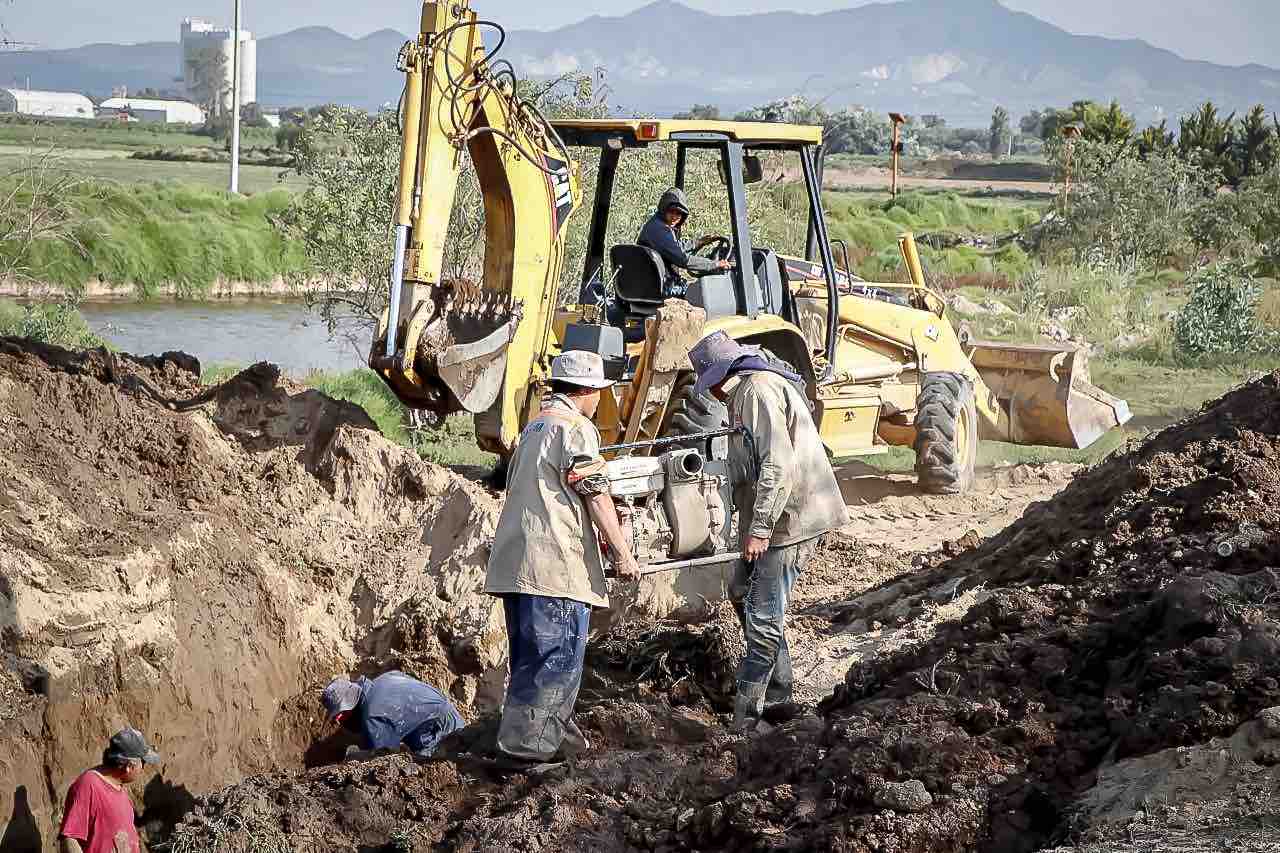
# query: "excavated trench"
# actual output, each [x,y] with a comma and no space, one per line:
[198,561]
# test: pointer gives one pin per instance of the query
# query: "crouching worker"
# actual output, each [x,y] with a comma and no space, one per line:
[390,710]
[786,495]
[99,816]
[546,563]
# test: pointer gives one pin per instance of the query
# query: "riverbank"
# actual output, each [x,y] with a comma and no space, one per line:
[164,239]
[106,291]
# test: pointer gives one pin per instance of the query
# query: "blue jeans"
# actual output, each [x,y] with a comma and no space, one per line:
[760,593]
[548,642]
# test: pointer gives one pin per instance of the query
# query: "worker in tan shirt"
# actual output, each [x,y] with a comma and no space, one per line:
[786,496]
[546,562]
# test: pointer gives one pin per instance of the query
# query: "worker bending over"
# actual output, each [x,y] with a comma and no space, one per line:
[390,710]
[786,495]
[546,563]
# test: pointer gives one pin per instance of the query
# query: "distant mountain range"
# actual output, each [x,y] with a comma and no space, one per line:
[956,58]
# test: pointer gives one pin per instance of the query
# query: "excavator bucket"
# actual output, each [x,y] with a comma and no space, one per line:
[454,356]
[467,340]
[1042,395]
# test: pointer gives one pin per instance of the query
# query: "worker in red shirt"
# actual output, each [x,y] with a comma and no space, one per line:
[99,816]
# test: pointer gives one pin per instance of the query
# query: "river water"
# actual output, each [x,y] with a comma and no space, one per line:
[230,331]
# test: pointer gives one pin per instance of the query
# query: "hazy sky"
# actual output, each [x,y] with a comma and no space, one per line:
[1228,31]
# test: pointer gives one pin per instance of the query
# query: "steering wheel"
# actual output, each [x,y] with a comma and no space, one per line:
[720,250]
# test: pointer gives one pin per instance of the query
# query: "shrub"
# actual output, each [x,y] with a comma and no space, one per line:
[57,323]
[1221,315]
[1126,212]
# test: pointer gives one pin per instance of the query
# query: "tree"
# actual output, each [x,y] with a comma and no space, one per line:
[932,121]
[1032,123]
[1098,124]
[210,86]
[1156,139]
[1207,139]
[703,112]
[1111,126]
[999,134]
[37,205]
[1255,149]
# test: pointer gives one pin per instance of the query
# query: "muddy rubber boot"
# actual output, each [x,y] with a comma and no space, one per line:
[746,707]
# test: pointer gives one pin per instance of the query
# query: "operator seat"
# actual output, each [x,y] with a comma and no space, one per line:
[638,277]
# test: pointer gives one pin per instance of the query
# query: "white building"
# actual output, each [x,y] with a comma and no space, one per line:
[205,46]
[148,109]
[33,102]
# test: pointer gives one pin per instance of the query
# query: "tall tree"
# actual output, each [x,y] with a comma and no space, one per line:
[1111,125]
[1206,139]
[1255,149]
[999,134]
[210,87]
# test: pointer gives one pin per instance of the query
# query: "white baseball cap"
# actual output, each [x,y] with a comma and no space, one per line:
[579,367]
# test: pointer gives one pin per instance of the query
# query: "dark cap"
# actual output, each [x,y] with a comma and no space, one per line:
[129,743]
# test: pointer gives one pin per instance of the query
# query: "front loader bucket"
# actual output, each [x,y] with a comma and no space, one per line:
[1042,395]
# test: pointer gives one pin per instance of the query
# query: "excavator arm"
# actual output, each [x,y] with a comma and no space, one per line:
[451,345]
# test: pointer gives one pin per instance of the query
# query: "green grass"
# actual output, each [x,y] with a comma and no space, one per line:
[452,444]
[871,225]
[154,236]
[115,165]
[112,134]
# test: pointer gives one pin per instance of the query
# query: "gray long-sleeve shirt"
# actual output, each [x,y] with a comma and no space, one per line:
[787,492]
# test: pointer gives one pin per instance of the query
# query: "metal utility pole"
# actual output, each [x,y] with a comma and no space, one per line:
[898,119]
[235,101]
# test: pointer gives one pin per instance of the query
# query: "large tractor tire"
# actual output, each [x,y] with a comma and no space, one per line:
[946,434]
[689,413]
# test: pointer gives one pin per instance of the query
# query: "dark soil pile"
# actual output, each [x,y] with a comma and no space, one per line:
[1139,610]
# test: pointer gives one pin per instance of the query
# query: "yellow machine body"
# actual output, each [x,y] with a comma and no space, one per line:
[485,348]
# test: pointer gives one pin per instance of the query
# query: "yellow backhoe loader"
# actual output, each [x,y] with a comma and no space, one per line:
[881,362]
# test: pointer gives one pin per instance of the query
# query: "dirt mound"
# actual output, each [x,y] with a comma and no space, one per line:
[199,561]
[1135,612]
[1026,690]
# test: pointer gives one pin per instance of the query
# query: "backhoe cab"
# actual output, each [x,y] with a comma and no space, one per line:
[881,363]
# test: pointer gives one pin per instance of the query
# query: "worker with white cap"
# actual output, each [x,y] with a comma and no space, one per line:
[546,563]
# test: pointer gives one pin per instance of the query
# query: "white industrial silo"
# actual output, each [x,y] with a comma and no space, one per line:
[207,48]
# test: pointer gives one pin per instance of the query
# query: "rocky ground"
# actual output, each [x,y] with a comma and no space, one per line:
[1100,671]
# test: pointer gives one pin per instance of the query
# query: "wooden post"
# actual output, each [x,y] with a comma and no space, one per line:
[1070,133]
[897,119]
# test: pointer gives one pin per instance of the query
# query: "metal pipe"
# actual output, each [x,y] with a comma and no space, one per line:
[672,565]
[411,62]
[911,257]
[823,241]
[397,280]
[656,443]
[886,371]
[235,101]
